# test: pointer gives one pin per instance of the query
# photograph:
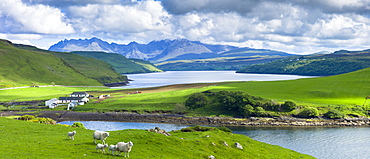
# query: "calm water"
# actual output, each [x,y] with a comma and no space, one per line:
[182,77]
[325,143]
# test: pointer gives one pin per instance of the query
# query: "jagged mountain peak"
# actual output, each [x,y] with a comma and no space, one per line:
[161,50]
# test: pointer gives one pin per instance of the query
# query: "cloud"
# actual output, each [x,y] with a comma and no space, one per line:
[295,26]
[17,17]
[120,19]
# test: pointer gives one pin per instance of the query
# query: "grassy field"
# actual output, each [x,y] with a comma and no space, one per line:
[24,139]
[347,91]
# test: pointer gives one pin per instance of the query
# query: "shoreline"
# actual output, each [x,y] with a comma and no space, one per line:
[60,116]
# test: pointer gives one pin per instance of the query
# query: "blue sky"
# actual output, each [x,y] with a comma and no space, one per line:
[294,26]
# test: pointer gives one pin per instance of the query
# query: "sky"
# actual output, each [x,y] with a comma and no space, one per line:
[293,26]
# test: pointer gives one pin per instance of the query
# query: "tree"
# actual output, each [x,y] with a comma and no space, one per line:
[334,114]
[309,112]
[288,106]
[197,100]
[7,105]
[247,110]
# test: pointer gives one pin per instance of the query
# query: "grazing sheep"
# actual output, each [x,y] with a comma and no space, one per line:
[71,135]
[112,148]
[100,135]
[237,145]
[124,147]
[101,147]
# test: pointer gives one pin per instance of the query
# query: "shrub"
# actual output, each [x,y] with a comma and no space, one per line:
[309,112]
[247,110]
[78,125]
[197,100]
[334,114]
[259,111]
[288,106]
[27,117]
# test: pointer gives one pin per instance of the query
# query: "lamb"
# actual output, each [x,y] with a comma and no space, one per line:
[71,135]
[100,135]
[101,147]
[124,147]
[112,148]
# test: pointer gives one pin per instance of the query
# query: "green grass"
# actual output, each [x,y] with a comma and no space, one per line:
[42,93]
[21,67]
[120,63]
[24,139]
[347,91]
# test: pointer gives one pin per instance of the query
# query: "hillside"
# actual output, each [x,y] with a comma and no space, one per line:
[23,67]
[178,54]
[120,63]
[92,68]
[36,140]
[314,65]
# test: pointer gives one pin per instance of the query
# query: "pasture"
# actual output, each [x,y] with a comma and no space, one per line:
[35,140]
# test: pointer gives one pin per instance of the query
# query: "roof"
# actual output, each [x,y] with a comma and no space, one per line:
[79,93]
[70,98]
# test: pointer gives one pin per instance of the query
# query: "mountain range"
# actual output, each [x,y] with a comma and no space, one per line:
[163,50]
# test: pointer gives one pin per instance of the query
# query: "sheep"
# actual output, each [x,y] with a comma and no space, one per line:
[112,148]
[101,147]
[71,135]
[100,135]
[124,147]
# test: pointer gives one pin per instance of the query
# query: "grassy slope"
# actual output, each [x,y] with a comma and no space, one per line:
[314,65]
[149,67]
[345,89]
[23,67]
[33,140]
[120,63]
[91,67]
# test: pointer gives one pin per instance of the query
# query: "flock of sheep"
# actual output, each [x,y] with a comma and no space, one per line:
[101,135]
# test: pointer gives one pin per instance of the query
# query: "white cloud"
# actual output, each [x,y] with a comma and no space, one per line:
[126,19]
[294,26]
[21,18]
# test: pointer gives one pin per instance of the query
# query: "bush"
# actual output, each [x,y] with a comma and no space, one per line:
[197,100]
[288,106]
[27,117]
[247,110]
[309,112]
[259,111]
[334,114]
[78,125]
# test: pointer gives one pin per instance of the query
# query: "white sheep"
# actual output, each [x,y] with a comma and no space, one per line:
[112,148]
[101,147]
[100,135]
[124,147]
[71,135]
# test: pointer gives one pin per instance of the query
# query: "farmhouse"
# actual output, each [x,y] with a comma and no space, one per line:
[72,99]
[79,94]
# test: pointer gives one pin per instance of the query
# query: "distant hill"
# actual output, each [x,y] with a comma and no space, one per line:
[28,65]
[178,54]
[120,63]
[339,62]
